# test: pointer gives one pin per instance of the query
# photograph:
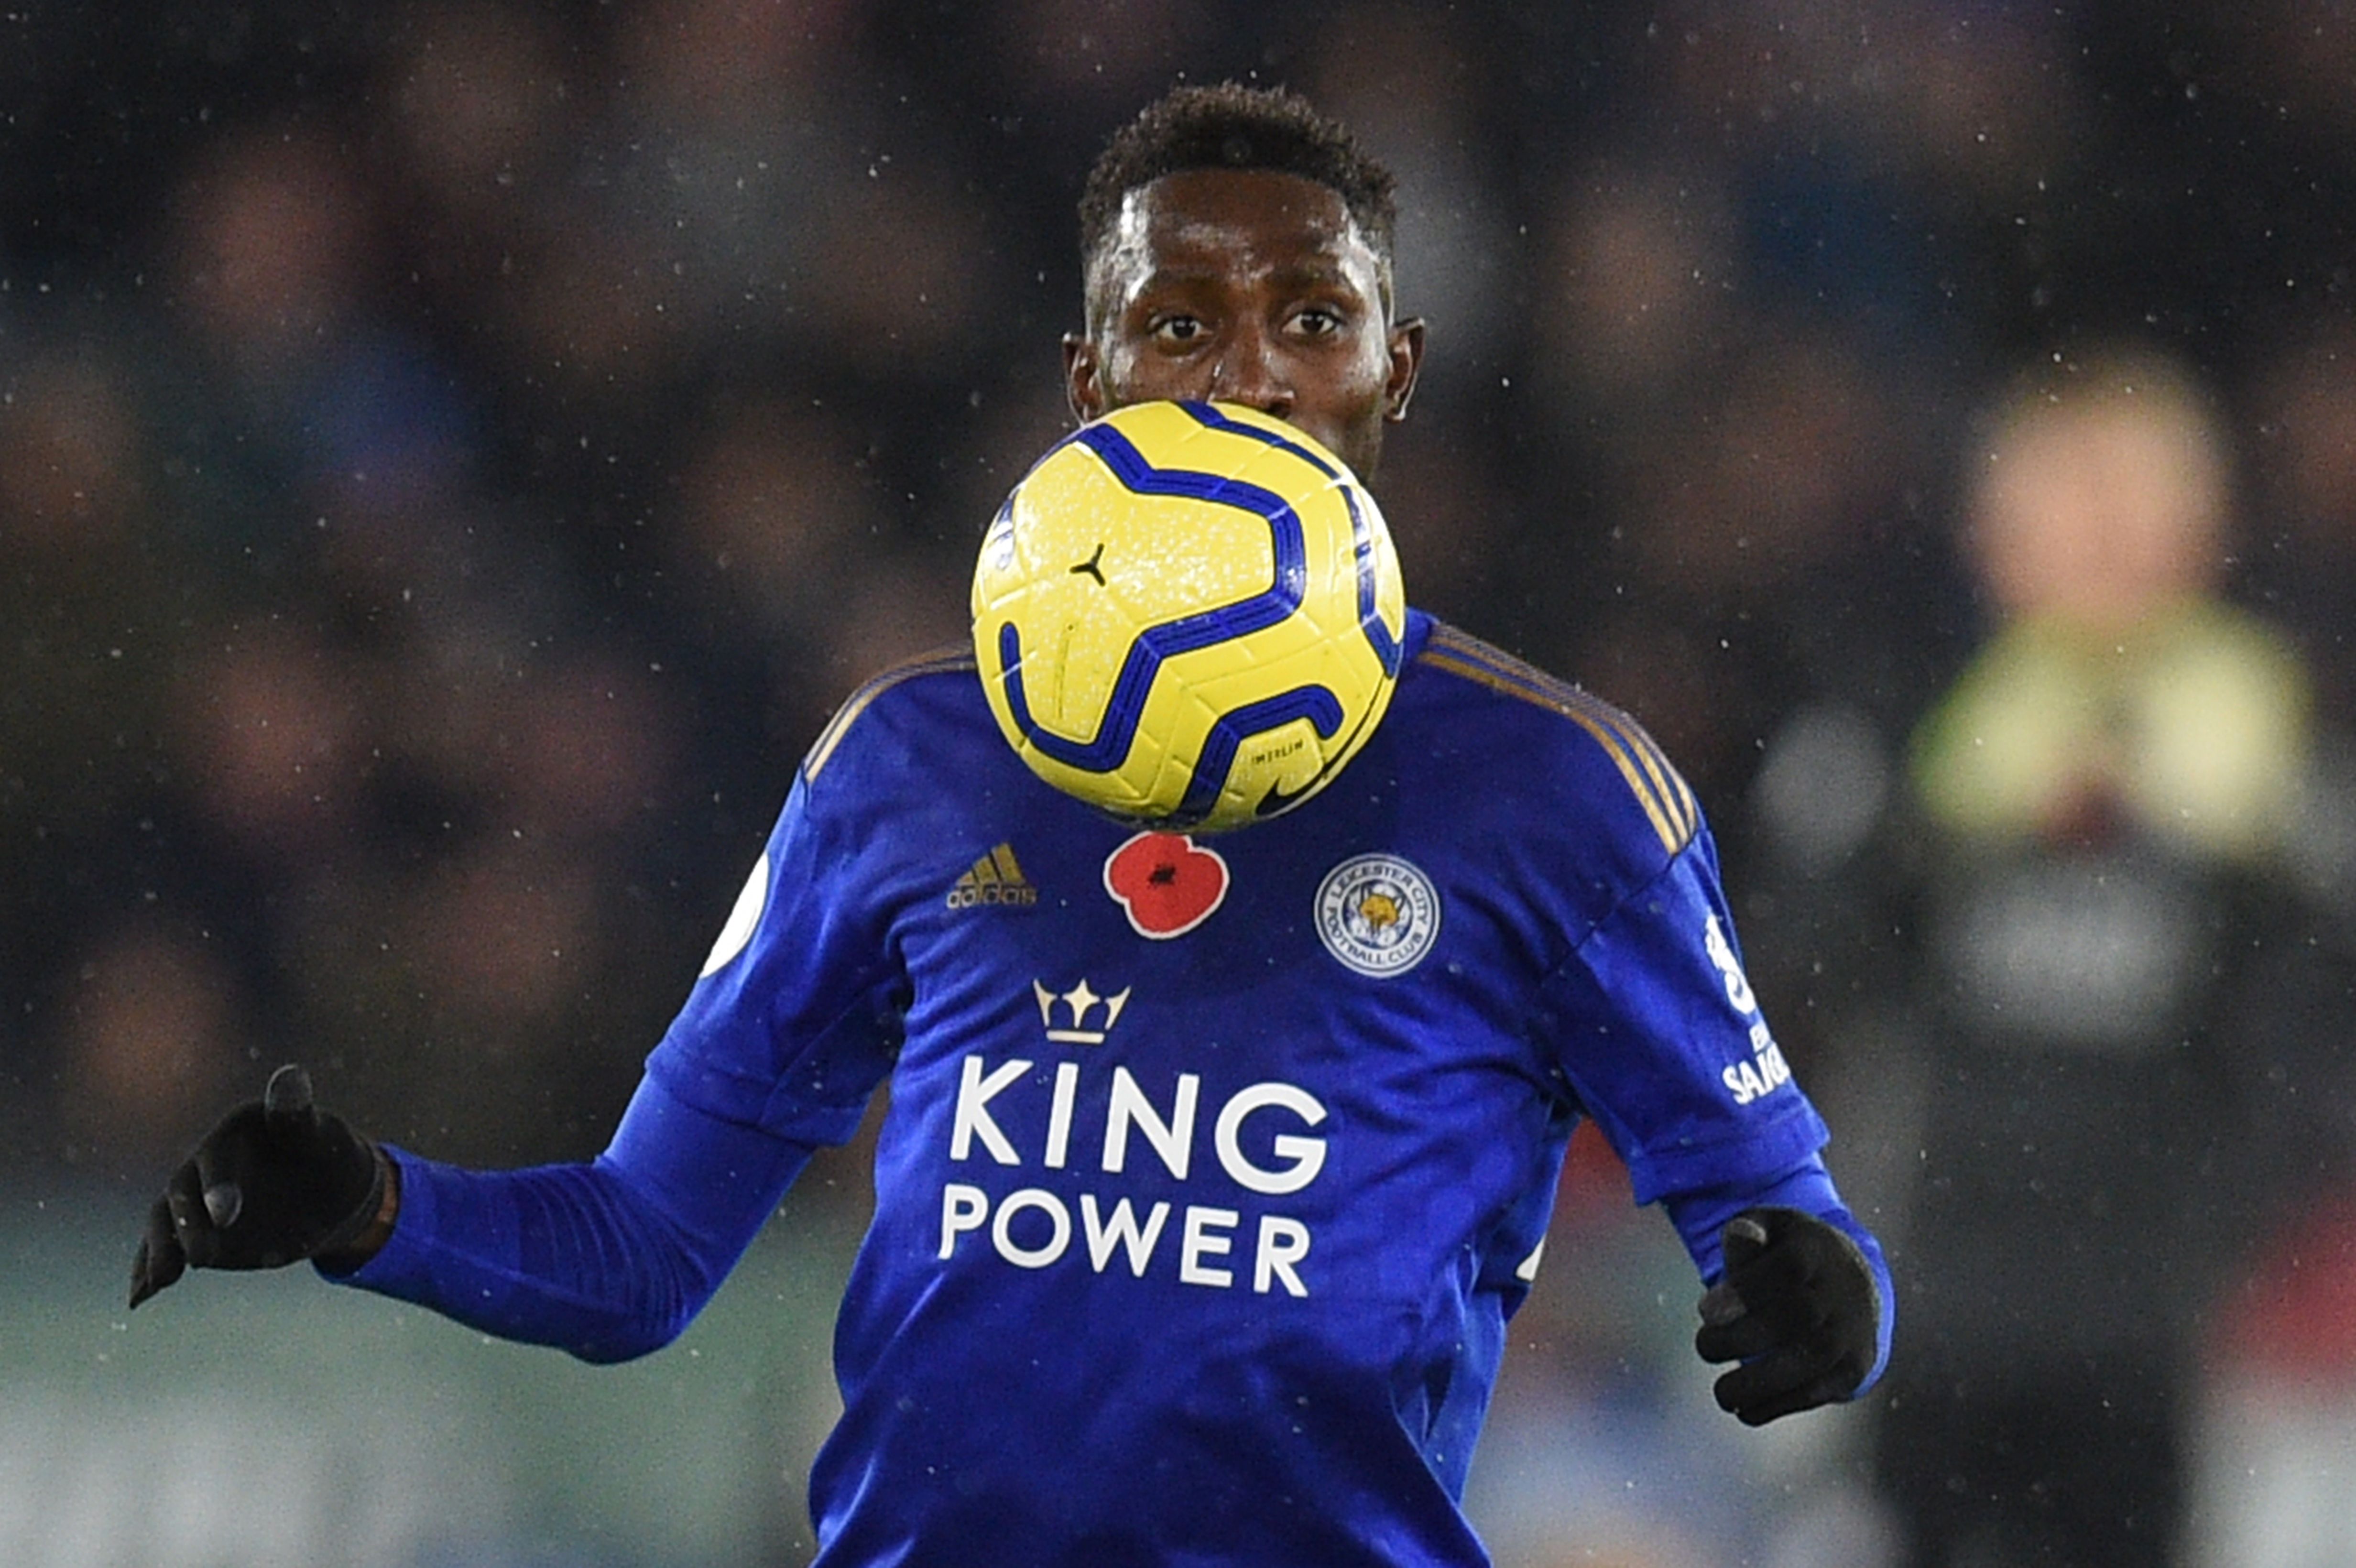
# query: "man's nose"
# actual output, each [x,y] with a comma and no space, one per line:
[1249,372]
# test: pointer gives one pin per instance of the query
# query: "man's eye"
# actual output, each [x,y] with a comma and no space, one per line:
[1178,329]
[1317,322]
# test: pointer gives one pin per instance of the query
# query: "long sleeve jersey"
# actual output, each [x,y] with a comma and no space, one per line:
[1213,1168]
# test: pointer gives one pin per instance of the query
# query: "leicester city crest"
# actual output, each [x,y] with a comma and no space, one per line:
[1378,914]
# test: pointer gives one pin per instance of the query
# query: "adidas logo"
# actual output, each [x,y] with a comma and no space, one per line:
[995,878]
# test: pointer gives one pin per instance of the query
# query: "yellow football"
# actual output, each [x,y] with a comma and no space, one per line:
[1188,616]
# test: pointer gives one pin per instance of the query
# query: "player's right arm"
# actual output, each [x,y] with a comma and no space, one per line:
[276,1180]
[780,1043]
[607,1260]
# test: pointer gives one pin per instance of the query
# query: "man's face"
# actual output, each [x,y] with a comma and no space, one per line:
[1249,287]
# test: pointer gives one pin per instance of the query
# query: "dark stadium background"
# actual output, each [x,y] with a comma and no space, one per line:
[454,455]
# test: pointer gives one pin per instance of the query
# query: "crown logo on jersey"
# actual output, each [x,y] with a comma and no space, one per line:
[995,878]
[1081,1004]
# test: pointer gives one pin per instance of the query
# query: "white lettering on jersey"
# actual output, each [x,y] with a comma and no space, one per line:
[1059,1113]
[1033,1227]
[1282,1243]
[974,1094]
[1307,1154]
[1059,1234]
[1172,1140]
[1203,1233]
[1122,1231]
[1766,1071]
[963,1208]
[1197,1239]
[1763,1073]
[1721,953]
[1129,1107]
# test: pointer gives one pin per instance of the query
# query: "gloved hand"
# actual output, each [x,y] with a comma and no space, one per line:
[277,1181]
[1796,1307]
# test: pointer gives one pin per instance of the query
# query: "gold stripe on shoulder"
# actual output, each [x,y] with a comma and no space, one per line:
[938,661]
[1669,804]
[1674,797]
[1551,691]
[1669,790]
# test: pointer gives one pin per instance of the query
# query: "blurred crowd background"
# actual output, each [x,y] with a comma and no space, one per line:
[454,456]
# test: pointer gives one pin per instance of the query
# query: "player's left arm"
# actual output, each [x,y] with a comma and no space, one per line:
[1799,1293]
[1664,1044]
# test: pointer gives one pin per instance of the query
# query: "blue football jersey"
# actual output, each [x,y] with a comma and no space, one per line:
[1213,1168]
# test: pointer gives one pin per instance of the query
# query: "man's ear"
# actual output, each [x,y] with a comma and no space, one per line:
[1406,349]
[1083,376]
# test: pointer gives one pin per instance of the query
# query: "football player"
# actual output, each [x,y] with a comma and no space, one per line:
[1212,1169]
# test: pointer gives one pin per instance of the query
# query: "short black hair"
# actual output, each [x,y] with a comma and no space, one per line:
[1231,126]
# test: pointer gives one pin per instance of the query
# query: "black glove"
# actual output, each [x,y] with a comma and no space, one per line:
[1797,1306]
[277,1181]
